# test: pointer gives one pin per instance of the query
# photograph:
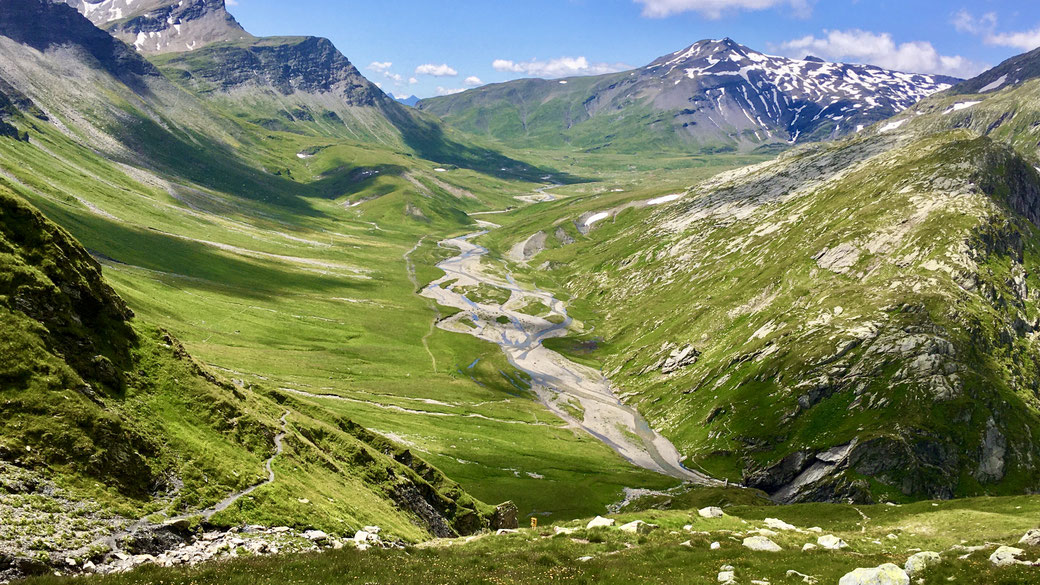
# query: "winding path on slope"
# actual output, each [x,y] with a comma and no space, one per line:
[565,387]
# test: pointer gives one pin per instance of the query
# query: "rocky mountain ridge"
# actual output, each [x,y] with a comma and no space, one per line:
[714,95]
[164,26]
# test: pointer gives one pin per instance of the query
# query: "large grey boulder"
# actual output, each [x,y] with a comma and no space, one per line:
[1031,538]
[761,544]
[921,561]
[887,574]
[1005,556]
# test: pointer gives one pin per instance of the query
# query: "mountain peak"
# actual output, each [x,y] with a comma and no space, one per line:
[164,26]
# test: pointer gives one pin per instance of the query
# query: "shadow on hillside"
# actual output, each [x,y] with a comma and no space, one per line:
[428,139]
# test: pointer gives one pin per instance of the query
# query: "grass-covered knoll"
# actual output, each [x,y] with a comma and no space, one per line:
[677,551]
[874,294]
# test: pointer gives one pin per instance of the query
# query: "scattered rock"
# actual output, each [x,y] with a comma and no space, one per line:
[710,512]
[808,546]
[562,530]
[727,576]
[688,544]
[600,522]
[638,527]
[887,574]
[715,546]
[584,559]
[777,524]
[831,542]
[315,536]
[761,544]
[1031,538]
[502,531]
[1006,556]
[805,578]
[921,561]
[679,359]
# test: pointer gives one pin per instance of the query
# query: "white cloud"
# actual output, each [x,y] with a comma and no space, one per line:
[560,67]
[985,26]
[448,91]
[412,81]
[436,70]
[380,66]
[715,9]
[394,76]
[1025,40]
[473,81]
[231,3]
[879,49]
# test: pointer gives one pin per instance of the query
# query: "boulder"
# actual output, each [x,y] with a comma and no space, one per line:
[808,546]
[1031,538]
[1005,556]
[727,577]
[315,536]
[600,522]
[777,524]
[921,561]
[761,544]
[562,530]
[710,512]
[637,527]
[831,542]
[715,546]
[887,574]
[506,515]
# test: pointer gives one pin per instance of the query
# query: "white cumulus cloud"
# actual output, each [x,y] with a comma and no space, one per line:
[473,81]
[985,26]
[449,91]
[881,50]
[442,70]
[717,8]
[380,66]
[412,81]
[560,67]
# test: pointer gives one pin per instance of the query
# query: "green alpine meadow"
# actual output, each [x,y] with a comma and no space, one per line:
[758,311]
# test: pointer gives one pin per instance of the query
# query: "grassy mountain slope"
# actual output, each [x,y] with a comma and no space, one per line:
[849,321]
[101,408]
[282,257]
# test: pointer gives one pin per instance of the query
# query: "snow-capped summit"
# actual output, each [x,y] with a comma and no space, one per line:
[790,99]
[713,95]
[163,26]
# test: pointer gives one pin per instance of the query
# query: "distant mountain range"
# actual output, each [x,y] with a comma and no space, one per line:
[408,101]
[715,95]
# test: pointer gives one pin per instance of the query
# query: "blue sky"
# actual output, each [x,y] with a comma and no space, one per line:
[431,47]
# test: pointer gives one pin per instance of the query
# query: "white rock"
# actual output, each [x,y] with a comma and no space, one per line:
[315,535]
[805,578]
[502,531]
[600,522]
[764,532]
[727,577]
[711,512]
[831,542]
[89,566]
[922,561]
[687,543]
[562,530]
[891,537]
[1006,555]
[816,529]
[715,546]
[584,559]
[363,536]
[777,524]
[808,546]
[372,529]
[887,574]
[761,543]
[1032,538]
[637,527]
